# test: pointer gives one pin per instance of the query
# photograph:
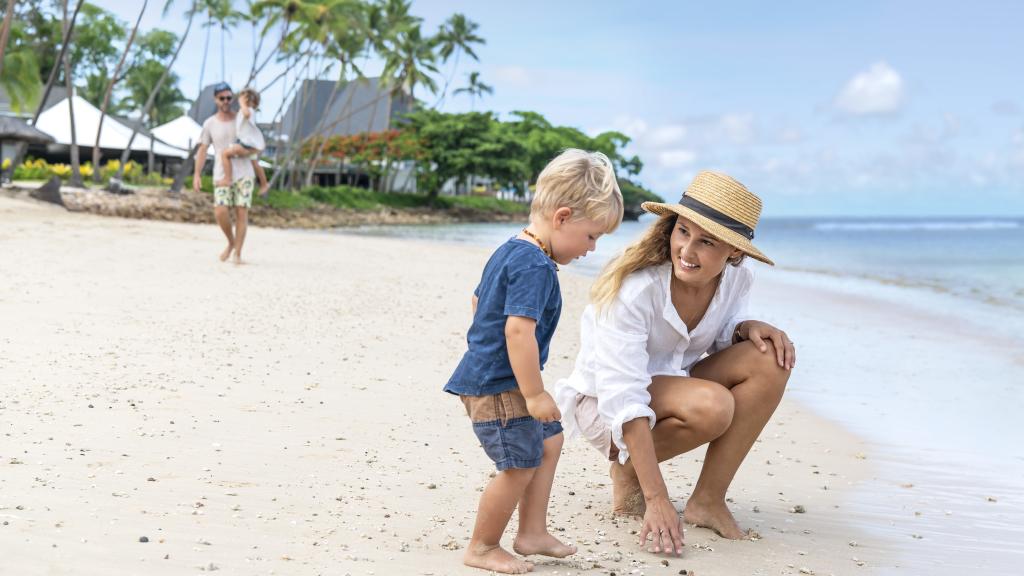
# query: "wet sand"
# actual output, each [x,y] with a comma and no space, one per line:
[287,417]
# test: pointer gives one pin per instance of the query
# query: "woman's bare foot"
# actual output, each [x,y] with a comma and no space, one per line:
[627,496]
[714,516]
[227,252]
[544,544]
[495,558]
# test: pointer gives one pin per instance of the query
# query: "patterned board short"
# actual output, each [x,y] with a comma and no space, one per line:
[238,194]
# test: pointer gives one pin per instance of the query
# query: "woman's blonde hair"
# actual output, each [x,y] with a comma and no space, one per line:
[583,181]
[651,249]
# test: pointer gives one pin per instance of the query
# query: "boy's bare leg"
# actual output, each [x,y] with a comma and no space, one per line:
[224,221]
[496,505]
[533,536]
[241,224]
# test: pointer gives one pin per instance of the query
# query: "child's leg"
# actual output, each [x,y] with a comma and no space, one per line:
[262,176]
[533,537]
[225,161]
[496,505]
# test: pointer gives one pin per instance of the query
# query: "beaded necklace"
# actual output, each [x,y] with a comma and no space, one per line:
[543,246]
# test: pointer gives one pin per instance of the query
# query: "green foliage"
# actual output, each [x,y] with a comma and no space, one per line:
[463,145]
[361,199]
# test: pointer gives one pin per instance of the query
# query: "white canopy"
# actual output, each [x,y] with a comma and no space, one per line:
[56,122]
[182,132]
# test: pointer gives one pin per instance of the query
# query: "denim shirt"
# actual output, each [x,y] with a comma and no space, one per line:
[519,280]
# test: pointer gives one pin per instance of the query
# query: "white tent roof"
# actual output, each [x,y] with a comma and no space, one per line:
[182,132]
[56,122]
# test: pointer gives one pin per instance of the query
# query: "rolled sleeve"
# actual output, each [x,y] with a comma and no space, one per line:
[528,291]
[621,373]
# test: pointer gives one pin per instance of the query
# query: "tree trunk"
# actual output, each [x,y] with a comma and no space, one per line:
[115,185]
[6,31]
[97,155]
[76,165]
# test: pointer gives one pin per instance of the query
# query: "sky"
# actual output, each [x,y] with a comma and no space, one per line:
[867,108]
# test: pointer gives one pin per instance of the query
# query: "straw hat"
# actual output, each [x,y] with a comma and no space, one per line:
[721,206]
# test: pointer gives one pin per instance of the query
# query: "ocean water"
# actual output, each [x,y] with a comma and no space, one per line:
[981,259]
[960,443]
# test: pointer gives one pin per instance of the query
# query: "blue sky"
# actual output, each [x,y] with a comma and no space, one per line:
[866,108]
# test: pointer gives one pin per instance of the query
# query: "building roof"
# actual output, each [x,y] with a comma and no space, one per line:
[360,106]
[12,128]
[182,132]
[55,122]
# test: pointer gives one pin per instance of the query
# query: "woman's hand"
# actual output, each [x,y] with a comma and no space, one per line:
[661,522]
[757,332]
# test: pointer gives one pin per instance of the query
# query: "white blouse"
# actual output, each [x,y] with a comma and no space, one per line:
[640,335]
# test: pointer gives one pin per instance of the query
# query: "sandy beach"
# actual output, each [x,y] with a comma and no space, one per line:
[164,413]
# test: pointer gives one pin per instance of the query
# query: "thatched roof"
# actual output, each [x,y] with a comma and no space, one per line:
[17,129]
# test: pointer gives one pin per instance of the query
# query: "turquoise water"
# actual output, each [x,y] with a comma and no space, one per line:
[958,441]
[978,258]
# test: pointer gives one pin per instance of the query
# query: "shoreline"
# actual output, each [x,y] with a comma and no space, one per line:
[254,397]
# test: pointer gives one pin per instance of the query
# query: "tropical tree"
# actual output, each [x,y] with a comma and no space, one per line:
[116,181]
[409,58]
[93,51]
[5,32]
[114,79]
[457,35]
[475,89]
[76,168]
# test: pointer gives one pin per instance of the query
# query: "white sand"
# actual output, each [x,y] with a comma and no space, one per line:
[287,416]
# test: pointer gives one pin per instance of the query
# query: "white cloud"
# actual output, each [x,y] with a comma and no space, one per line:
[512,76]
[666,135]
[877,90]
[676,157]
[739,128]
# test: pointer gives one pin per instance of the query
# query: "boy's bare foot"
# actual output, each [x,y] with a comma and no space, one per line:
[714,516]
[495,558]
[544,544]
[627,496]
[223,183]
[227,252]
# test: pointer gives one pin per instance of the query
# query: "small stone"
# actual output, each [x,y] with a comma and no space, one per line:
[664,562]
[806,570]
[798,509]
[143,539]
[431,486]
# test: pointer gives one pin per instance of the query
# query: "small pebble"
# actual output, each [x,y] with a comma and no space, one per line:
[143,539]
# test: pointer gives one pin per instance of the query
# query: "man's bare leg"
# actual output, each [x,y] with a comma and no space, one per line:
[533,536]
[496,505]
[241,225]
[220,213]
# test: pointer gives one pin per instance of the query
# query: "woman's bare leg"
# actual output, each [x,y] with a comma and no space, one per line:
[757,384]
[689,412]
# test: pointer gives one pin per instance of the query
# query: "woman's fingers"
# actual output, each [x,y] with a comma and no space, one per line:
[755,337]
[790,354]
[780,341]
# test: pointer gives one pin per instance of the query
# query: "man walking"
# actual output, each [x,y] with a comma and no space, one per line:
[219,130]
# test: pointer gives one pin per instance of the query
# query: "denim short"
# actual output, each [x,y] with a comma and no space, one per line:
[509,435]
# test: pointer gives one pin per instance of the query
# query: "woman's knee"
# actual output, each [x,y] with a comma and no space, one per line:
[765,366]
[710,410]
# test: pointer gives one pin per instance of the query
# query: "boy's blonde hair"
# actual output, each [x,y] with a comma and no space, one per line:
[251,96]
[583,181]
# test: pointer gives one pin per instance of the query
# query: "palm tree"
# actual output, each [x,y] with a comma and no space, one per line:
[408,57]
[65,40]
[475,89]
[456,35]
[5,32]
[115,183]
[76,168]
[96,154]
